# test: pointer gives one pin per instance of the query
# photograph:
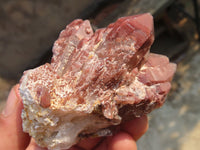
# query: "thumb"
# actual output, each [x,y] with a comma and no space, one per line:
[12,135]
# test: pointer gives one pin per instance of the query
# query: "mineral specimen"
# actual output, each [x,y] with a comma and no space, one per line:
[95,80]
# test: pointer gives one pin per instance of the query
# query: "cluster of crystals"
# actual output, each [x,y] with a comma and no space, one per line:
[110,73]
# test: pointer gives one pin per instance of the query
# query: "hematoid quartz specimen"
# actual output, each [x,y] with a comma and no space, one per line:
[94,81]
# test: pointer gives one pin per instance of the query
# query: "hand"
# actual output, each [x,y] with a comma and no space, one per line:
[13,137]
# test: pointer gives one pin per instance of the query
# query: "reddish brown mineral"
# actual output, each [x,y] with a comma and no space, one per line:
[94,80]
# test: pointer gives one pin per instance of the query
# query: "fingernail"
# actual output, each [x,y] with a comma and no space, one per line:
[13,99]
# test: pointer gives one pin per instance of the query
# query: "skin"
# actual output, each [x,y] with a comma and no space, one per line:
[13,136]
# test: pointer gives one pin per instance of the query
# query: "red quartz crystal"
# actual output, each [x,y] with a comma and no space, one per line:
[95,80]
[106,69]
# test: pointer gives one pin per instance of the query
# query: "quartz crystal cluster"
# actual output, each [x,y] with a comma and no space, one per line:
[95,80]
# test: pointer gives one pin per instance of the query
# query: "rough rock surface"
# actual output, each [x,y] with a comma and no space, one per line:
[95,80]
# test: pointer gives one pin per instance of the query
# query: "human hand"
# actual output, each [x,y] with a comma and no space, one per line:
[13,137]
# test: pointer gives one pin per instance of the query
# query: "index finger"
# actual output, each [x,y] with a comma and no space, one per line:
[136,127]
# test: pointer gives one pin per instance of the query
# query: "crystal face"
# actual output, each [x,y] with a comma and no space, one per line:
[95,80]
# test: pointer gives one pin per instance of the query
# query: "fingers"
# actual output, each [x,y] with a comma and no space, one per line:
[11,123]
[75,148]
[137,127]
[121,141]
[88,143]
[133,129]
